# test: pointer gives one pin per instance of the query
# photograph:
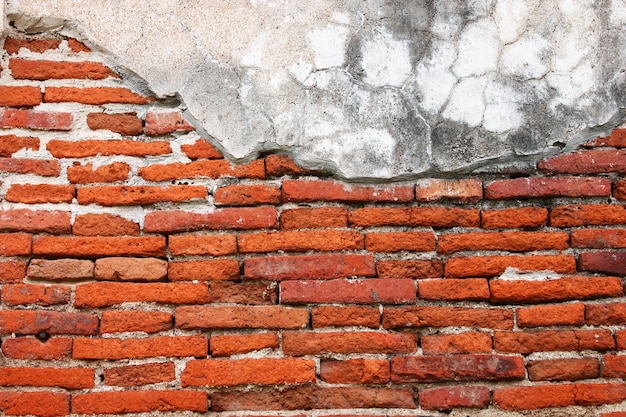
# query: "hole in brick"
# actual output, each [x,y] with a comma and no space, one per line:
[43,336]
[101,376]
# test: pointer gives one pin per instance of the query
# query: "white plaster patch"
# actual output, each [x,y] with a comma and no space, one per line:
[478,49]
[434,78]
[254,55]
[329,46]
[570,86]
[301,70]
[526,58]
[467,103]
[386,61]
[511,17]
[501,112]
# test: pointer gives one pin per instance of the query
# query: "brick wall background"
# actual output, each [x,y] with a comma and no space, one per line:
[141,272]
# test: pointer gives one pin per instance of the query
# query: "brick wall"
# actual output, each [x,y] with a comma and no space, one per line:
[141,272]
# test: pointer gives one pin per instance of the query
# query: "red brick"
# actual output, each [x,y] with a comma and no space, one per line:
[45,168]
[61,269]
[120,402]
[328,266]
[38,403]
[9,144]
[139,195]
[201,149]
[504,241]
[380,216]
[571,369]
[468,289]
[314,397]
[433,316]
[587,215]
[553,340]
[12,271]
[561,289]
[40,193]
[552,315]
[489,266]
[227,345]
[461,191]
[278,165]
[548,187]
[36,120]
[135,321]
[614,414]
[600,394]
[410,268]
[202,169]
[616,139]
[53,349]
[253,293]
[19,96]
[214,245]
[104,294]
[585,162]
[103,225]
[68,378]
[35,221]
[466,342]
[43,295]
[448,398]
[514,218]
[41,70]
[124,124]
[331,316]
[36,321]
[605,262]
[130,269]
[204,270]
[599,238]
[15,244]
[94,95]
[317,190]
[233,372]
[613,366]
[163,123]
[301,241]
[240,317]
[84,148]
[439,368]
[441,217]
[534,397]
[115,349]
[134,375]
[247,195]
[314,218]
[13,45]
[619,190]
[85,174]
[94,247]
[311,343]
[222,219]
[355,371]
[605,314]
[400,241]
[367,291]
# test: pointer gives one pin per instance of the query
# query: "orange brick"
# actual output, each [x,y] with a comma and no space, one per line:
[227,345]
[548,187]
[40,193]
[94,247]
[85,174]
[251,293]
[504,241]
[553,315]
[115,349]
[599,238]
[12,271]
[467,342]
[27,348]
[515,218]
[571,369]
[222,219]
[410,268]
[561,289]
[468,289]
[135,375]
[301,241]
[587,215]
[26,69]
[355,371]
[240,317]
[45,168]
[312,343]
[121,402]
[139,195]
[605,314]
[448,398]
[309,266]
[331,316]
[400,241]
[613,366]
[124,124]
[104,225]
[61,269]
[214,245]
[278,165]
[600,394]
[42,295]
[489,266]
[461,191]
[94,95]
[202,169]
[15,244]
[553,340]
[39,403]
[135,321]
[314,218]
[585,162]
[619,190]
[13,45]
[53,322]
[380,216]
[247,195]
[534,397]
[84,148]
[19,96]
[366,291]
[104,294]
[204,270]
[68,378]
[9,144]
[36,120]
[317,190]
[433,316]
[130,269]
[163,123]
[201,149]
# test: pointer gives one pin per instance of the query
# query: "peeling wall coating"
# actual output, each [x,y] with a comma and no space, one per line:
[376,89]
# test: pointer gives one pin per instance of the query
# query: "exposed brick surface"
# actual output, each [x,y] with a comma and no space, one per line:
[227,345]
[311,266]
[103,225]
[222,219]
[305,191]
[202,169]
[85,174]
[9,144]
[41,70]
[367,291]
[37,120]
[103,294]
[93,95]
[84,148]
[124,124]
[133,375]
[162,123]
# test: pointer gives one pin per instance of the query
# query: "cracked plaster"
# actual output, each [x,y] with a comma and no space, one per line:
[369,90]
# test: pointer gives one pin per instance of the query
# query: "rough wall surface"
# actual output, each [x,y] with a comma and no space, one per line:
[378,89]
[143,273]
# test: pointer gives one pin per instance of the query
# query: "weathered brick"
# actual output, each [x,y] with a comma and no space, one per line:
[553,340]
[599,238]
[86,174]
[40,193]
[227,345]
[613,366]
[240,317]
[60,269]
[338,316]
[262,371]
[124,124]
[605,262]
[547,187]
[247,195]
[314,218]
[222,219]
[44,168]
[619,190]
[448,398]
[312,343]
[36,120]
[27,348]
[214,245]
[38,403]
[68,378]
[461,191]
[587,215]
[121,402]
[503,241]
[135,321]
[9,144]
[214,168]
[19,96]
[41,70]
[328,266]
[163,123]
[400,241]
[433,316]
[104,225]
[355,371]
[561,289]
[534,397]
[204,270]
[439,368]
[115,349]
[42,295]
[301,241]
[85,148]
[12,271]
[410,268]
[605,314]
[380,216]
[442,217]
[278,165]
[130,269]
[450,289]
[144,374]
[367,291]
[600,394]
[52,322]
[569,369]
[585,162]
[302,191]
[15,244]
[201,149]
[94,95]
[99,246]
[13,45]
[489,266]
[616,139]
[514,218]
[466,342]
[551,315]
[104,294]
[35,221]
[253,293]
[139,195]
